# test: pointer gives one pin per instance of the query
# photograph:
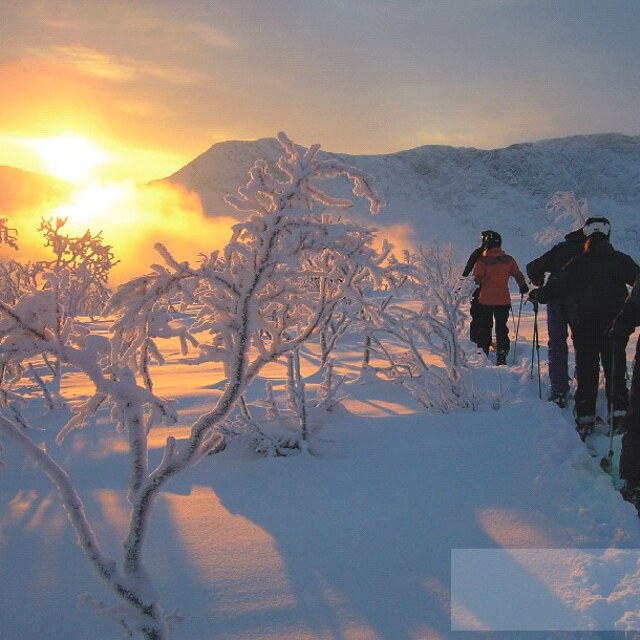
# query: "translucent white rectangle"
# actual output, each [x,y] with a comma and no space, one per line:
[545,590]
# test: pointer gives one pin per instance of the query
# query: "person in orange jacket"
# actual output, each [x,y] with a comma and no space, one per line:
[492,272]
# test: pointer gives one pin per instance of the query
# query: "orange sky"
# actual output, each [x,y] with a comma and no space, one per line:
[54,97]
[157,82]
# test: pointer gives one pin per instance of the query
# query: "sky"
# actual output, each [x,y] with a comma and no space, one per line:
[154,83]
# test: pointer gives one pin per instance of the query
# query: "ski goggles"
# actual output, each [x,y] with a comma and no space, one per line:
[597,225]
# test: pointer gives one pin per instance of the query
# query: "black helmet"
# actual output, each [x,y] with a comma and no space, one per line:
[491,239]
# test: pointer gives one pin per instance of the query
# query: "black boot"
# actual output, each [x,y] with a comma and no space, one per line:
[585,426]
[501,356]
[559,397]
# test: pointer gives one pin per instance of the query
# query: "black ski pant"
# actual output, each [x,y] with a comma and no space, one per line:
[593,345]
[488,316]
[630,454]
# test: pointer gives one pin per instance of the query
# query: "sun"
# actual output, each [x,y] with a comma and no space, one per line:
[69,156]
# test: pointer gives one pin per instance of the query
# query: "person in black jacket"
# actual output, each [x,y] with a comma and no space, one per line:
[561,311]
[598,277]
[621,328]
[474,308]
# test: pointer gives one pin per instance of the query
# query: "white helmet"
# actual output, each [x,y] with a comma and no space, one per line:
[596,225]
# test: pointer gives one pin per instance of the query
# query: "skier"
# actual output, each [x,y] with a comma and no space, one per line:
[474,306]
[492,271]
[561,311]
[621,328]
[598,277]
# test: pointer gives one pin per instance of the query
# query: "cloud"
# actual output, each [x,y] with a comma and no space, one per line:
[119,68]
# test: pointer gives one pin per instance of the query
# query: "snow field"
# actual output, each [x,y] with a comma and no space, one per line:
[354,543]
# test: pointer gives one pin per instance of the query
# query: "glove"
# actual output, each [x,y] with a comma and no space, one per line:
[524,290]
[536,296]
[617,332]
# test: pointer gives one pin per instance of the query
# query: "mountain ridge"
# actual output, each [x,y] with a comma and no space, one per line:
[449,194]
[21,189]
[434,193]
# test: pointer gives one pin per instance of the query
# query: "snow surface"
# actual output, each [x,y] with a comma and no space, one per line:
[354,544]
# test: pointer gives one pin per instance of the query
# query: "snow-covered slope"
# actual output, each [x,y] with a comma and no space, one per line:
[385,536]
[450,194]
[24,189]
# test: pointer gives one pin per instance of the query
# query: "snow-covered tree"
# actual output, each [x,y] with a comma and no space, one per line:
[74,281]
[255,308]
[34,327]
[360,303]
[567,212]
[79,269]
[17,278]
[8,235]
[429,322]
[82,264]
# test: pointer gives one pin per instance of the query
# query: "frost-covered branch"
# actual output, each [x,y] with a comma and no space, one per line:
[8,235]
[431,322]
[567,212]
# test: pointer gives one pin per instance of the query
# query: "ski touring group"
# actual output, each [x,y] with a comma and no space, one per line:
[584,283]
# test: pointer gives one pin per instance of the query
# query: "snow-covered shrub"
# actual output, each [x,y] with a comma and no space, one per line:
[80,268]
[8,235]
[566,212]
[428,322]
[360,305]
[296,394]
[82,265]
[255,307]
[17,278]
[328,395]
[74,282]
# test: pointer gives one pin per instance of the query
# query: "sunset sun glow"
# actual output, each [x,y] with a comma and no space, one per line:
[70,157]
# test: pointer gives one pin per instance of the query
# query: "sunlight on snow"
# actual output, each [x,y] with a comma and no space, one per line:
[248,556]
[377,408]
[246,573]
[19,507]
[47,509]
[510,530]
[544,589]
[465,619]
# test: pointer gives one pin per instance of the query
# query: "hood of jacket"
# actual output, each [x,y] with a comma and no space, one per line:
[494,252]
[575,236]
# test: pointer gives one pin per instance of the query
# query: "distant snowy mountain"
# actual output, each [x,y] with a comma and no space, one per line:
[449,194]
[24,189]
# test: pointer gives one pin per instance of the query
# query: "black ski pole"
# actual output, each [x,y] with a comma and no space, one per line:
[515,342]
[538,356]
[607,462]
[533,339]
[513,318]
[535,347]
